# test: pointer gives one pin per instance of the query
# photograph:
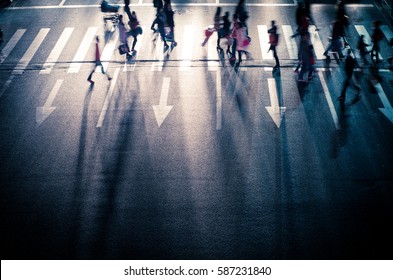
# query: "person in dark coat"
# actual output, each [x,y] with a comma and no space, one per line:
[349,67]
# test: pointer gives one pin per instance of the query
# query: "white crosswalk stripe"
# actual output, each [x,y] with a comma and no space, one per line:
[187,46]
[12,43]
[25,60]
[264,42]
[56,51]
[108,51]
[212,55]
[317,43]
[290,42]
[83,49]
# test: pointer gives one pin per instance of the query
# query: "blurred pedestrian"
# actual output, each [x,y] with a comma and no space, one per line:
[160,20]
[127,8]
[242,39]
[273,41]
[135,29]
[241,12]
[302,20]
[169,13]
[335,43]
[97,62]
[225,32]
[376,38]
[362,48]
[349,67]
[305,56]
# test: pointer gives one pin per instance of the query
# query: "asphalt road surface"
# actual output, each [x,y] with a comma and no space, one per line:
[182,156]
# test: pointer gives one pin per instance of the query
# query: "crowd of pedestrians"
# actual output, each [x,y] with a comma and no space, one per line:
[232,33]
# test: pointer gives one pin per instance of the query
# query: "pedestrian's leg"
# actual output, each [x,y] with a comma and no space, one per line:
[276,58]
[344,90]
[134,43]
[91,76]
[239,53]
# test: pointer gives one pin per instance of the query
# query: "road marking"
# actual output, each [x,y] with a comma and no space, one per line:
[108,98]
[212,55]
[162,110]
[131,66]
[12,43]
[158,55]
[329,101]
[275,110]
[361,30]
[387,109]
[55,53]
[82,50]
[290,43]
[62,3]
[387,31]
[25,60]
[218,101]
[188,42]
[264,42]
[42,113]
[317,43]
[108,51]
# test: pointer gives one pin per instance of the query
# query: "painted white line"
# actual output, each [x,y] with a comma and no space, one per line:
[290,43]
[108,98]
[6,85]
[317,43]
[62,3]
[158,55]
[329,101]
[387,109]
[218,101]
[162,110]
[212,55]
[361,30]
[131,66]
[140,2]
[275,111]
[108,51]
[25,60]
[42,113]
[387,31]
[187,46]
[82,50]
[12,43]
[264,42]
[55,53]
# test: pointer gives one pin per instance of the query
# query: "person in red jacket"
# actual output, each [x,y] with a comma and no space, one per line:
[97,62]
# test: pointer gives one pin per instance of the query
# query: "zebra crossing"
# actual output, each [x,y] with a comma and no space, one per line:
[185,55]
[186,50]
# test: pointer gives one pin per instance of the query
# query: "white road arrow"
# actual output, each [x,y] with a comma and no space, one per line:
[387,110]
[161,111]
[43,112]
[274,110]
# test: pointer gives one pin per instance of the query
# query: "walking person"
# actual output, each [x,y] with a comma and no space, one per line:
[135,29]
[273,41]
[160,20]
[362,48]
[169,13]
[376,38]
[225,32]
[97,62]
[335,43]
[123,36]
[350,64]
[242,41]
[305,56]
[127,8]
